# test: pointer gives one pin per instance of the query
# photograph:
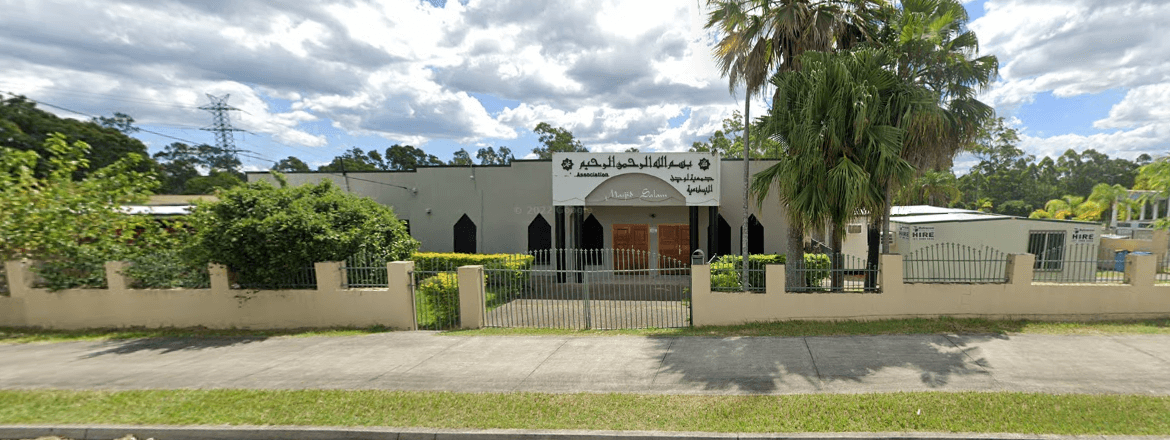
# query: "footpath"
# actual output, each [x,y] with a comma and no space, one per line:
[1125,364]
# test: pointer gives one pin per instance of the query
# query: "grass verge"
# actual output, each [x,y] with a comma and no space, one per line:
[24,335]
[933,412]
[848,328]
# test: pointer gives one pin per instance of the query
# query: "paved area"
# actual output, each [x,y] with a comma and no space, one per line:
[1136,364]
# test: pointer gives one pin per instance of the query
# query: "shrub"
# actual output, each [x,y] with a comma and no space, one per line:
[74,268]
[166,269]
[438,301]
[725,271]
[274,231]
[502,269]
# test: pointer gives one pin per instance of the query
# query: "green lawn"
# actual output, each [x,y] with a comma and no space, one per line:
[934,412]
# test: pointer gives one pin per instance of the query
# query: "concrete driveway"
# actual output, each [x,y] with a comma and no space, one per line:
[1135,364]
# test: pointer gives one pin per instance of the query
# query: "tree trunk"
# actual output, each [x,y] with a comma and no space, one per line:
[835,259]
[743,242]
[873,239]
[794,257]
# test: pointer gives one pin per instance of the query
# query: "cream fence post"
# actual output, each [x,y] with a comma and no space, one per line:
[400,281]
[20,278]
[471,293]
[116,279]
[1139,270]
[1019,268]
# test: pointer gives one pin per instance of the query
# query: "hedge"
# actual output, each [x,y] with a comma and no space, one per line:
[502,269]
[725,271]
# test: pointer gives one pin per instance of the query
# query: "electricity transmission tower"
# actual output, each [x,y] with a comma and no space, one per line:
[221,124]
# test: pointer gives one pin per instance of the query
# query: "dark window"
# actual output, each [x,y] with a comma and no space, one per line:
[592,237]
[755,235]
[465,235]
[724,234]
[1048,247]
[406,223]
[539,239]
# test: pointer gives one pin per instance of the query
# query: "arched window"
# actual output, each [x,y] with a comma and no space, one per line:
[592,238]
[539,239]
[724,234]
[755,235]
[465,235]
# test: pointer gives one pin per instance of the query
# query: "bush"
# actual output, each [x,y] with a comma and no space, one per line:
[166,269]
[502,269]
[77,267]
[438,301]
[725,271]
[271,231]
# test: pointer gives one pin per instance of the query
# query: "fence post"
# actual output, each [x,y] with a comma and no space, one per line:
[700,294]
[399,276]
[1139,270]
[329,275]
[116,280]
[471,292]
[20,277]
[1019,268]
[219,278]
[773,279]
[890,273]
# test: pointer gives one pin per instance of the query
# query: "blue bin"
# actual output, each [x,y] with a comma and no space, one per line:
[1119,260]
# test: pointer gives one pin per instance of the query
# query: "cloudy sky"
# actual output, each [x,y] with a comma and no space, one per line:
[313,79]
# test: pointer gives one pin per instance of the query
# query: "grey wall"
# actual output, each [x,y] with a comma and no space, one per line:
[503,200]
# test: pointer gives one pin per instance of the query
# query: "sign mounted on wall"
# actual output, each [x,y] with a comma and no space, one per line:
[632,179]
[1084,235]
[925,233]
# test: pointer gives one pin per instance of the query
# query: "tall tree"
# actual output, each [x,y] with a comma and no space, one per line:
[760,37]
[24,127]
[354,160]
[489,156]
[556,140]
[936,188]
[180,162]
[837,118]
[406,157]
[461,158]
[291,164]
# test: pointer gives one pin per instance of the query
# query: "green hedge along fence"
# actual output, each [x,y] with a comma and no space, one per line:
[725,271]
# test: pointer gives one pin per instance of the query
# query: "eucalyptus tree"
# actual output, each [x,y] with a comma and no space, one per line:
[760,37]
[837,118]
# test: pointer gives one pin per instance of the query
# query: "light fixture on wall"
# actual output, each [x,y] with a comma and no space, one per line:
[652,215]
[428,211]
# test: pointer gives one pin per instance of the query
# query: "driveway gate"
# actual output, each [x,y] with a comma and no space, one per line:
[589,289]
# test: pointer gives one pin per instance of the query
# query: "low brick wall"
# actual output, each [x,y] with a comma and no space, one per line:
[1018,298]
[329,305]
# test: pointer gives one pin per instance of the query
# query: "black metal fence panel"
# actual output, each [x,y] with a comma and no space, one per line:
[955,263]
[436,294]
[364,269]
[295,278]
[1080,263]
[589,289]
[837,273]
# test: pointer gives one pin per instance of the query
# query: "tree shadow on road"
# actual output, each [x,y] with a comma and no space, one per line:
[779,365]
[170,345]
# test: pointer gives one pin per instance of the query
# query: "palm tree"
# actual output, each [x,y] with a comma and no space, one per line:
[936,50]
[760,37]
[836,118]
[936,188]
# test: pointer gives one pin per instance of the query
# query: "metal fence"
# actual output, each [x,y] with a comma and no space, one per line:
[955,263]
[436,294]
[294,278]
[589,289]
[727,274]
[831,273]
[1077,263]
[365,269]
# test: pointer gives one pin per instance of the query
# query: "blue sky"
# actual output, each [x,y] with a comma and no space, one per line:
[315,79]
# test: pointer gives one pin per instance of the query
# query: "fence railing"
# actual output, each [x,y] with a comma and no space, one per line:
[365,269]
[955,263]
[831,273]
[1077,263]
[436,294]
[294,278]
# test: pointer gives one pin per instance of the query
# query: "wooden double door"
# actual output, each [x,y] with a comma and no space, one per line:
[631,244]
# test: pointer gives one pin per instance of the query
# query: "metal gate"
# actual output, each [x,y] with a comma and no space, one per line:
[434,285]
[588,289]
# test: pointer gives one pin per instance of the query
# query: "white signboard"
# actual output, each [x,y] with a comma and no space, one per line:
[632,179]
[924,233]
[904,232]
[1084,235]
